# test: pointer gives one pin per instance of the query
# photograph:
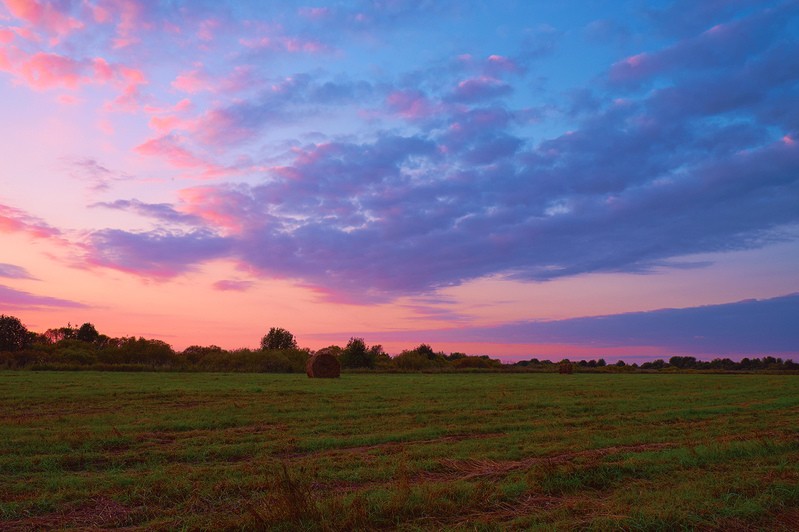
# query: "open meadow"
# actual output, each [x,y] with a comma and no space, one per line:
[408,451]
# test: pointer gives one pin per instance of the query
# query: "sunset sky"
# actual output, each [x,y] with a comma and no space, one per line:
[614,179]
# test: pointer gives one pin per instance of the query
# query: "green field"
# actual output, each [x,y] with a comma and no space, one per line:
[414,451]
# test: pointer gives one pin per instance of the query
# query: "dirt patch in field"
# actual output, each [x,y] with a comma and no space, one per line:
[758,435]
[472,469]
[97,513]
[787,520]
[505,512]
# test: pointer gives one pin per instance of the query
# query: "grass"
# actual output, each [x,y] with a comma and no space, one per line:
[403,451]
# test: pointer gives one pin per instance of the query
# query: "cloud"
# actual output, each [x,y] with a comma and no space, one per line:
[229,285]
[751,327]
[171,147]
[682,18]
[373,221]
[11,271]
[285,101]
[44,15]
[482,88]
[157,254]
[89,170]
[159,211]
[725,45]
[433,177]
[18,300]
[13,220]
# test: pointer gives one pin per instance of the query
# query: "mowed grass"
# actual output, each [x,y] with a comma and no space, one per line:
[413,452]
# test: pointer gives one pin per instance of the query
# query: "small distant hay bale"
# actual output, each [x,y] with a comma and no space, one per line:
[323,365]
[566,368]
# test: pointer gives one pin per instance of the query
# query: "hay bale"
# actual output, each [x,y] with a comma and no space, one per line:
[323,365]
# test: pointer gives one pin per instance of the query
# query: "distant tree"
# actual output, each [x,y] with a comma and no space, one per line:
[195,353]
[426,350]
[621,363]
[87,333]
[278,339]
[683,362]
[482,361]
[655,364]
[601,363]
[380,357]
[62,333]
[139,351]
[356,355]
[13,335]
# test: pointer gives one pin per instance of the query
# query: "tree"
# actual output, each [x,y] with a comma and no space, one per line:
[87,333]
[13,335]
[426,350]
[278,339]
[356,355]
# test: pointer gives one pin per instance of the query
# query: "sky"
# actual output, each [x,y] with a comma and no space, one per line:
[584,179]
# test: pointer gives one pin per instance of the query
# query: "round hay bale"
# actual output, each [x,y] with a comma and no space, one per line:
[323,365]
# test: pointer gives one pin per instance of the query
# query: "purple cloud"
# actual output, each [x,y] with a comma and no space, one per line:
[466,185]
[685,17]
[157,254]
[229,285]
[751,327]
[18,300]
[482,88]
[89,170]
[158,211]
[725,45]
[11,271]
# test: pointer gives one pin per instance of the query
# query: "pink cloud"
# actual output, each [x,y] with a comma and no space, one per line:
[228,285]
[67,99]
[6,36]
[411,104]
[497,63]
[44,15]
[100,14]
[169,147]
[221,126]
[13,220]
[166,119]
[207,28]
[43,70]
[130,22]
[130,80]
[222,209]
[102,70]
[193,81]
[633,68]
[480,88]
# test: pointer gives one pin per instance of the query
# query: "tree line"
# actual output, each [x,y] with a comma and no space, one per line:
[83,347]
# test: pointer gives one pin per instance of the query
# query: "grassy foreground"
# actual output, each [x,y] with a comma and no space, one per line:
[413,451]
